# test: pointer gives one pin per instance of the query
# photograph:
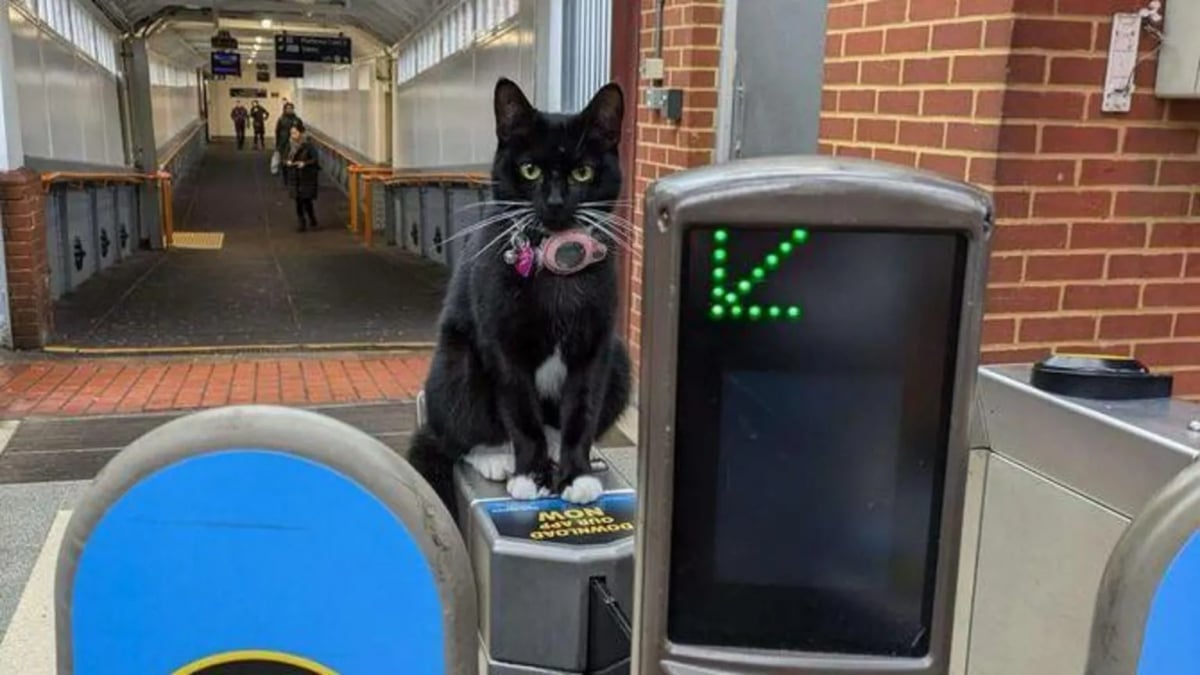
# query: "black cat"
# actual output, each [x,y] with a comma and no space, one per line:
[528,369]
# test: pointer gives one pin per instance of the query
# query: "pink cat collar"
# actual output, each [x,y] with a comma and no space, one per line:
[569,251]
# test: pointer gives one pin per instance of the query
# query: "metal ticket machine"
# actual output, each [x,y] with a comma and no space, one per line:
[809,349]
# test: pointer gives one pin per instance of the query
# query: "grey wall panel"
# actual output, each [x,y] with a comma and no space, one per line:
[434,216]
[31,85]
[410,197]
[81,252]
[127,231]
[109,248]
[464,212]
[1042,550]
[57,244]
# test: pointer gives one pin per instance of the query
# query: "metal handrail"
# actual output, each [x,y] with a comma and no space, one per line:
[415,178]
[166,209]
[178,147]
[84,177]
[411,178]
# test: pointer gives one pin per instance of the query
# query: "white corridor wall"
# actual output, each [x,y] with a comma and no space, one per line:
[175,98]
[443,104]
[347,104]
[69,100]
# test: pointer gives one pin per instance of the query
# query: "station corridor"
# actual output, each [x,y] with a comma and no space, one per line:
[268,285]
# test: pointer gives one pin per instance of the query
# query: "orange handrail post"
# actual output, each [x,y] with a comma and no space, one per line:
[367,173]
[368,213]
[353,200]
[166,194]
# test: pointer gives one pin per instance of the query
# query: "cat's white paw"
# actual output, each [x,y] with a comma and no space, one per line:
[553,442]
[583,490]
[493,462]
[525,488]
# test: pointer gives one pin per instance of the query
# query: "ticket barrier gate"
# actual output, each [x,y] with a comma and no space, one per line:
[811,329]
[1059,486]
[218,544]
[554,579]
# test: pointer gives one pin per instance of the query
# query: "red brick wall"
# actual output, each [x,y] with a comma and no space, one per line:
[1098,243]
[23,211]
[691,50]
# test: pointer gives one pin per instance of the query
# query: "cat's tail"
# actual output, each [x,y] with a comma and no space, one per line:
[426,455]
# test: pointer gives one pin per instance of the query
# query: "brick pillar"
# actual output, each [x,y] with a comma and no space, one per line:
[691,50]
[23,212]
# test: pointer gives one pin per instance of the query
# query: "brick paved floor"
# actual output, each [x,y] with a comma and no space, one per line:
[81,386]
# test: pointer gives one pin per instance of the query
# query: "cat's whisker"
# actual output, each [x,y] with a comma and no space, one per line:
[619,239]
[506,233]
[614,221]
[617,221]
[501,215]
[608,202]
[493,202]
[486,222]
[612,234]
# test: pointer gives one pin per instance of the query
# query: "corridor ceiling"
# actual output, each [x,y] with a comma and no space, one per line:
[387,21]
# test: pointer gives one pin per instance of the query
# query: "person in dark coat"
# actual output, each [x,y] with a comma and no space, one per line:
[303,173]
[259,115]
[239,116]
[283,128]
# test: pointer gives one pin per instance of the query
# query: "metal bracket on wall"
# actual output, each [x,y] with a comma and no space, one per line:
[1122,62]
[80,254]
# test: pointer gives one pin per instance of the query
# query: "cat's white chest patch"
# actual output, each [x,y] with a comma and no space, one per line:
[550,376]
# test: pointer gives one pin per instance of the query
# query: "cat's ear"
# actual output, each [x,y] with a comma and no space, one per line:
[514,112]
[604,114]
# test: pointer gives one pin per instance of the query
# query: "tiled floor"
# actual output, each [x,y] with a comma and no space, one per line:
[105,386]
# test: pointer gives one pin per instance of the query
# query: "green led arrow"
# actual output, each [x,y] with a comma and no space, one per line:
[728,298]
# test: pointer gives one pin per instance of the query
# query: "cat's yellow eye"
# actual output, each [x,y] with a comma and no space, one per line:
[531,171]
[583,173]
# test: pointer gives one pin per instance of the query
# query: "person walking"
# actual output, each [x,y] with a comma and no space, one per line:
[239,116]
[283,136]
[302,172]
[260,115]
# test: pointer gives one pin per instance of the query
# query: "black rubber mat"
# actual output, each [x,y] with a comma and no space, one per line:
[269,285]
[56,449]
[76,449]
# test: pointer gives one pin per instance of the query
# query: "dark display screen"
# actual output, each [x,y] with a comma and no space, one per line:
[227,63]
[289,69]
[815,371]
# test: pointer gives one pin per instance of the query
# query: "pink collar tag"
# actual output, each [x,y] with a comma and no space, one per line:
[568,252]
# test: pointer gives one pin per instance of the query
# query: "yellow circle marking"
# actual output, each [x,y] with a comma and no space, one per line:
[253,655]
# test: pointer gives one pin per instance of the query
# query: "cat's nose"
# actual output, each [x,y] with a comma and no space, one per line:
[556,213]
